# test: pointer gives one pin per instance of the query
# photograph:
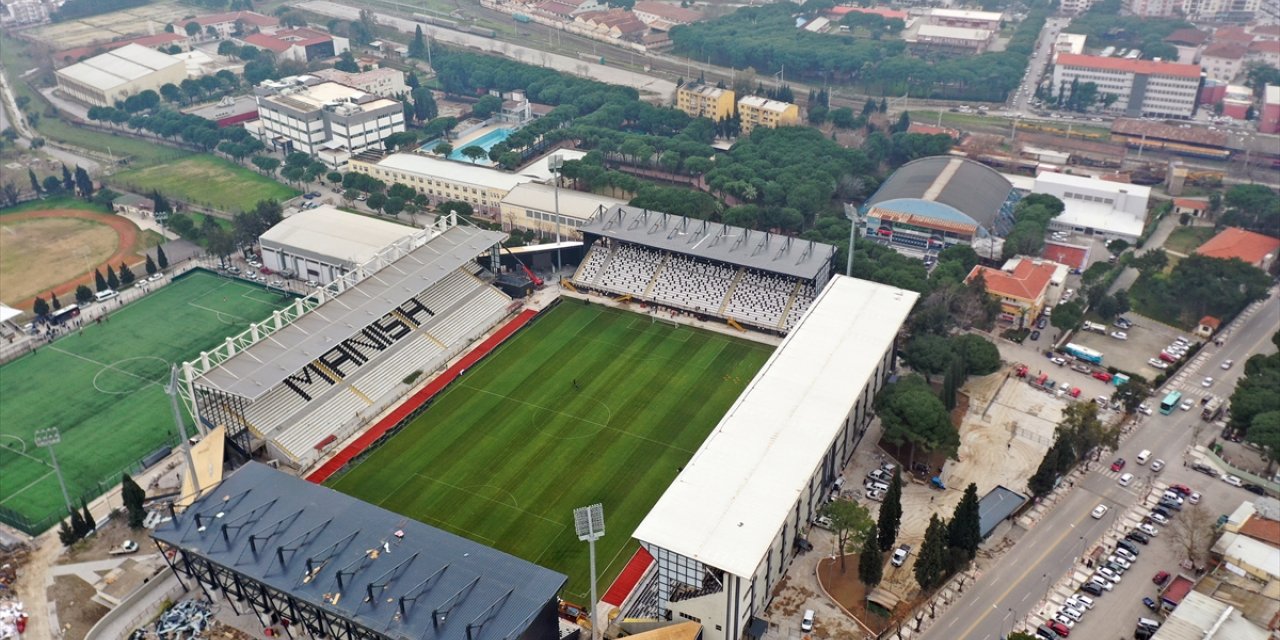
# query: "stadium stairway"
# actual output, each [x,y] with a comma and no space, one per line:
[733,286]
[648,289]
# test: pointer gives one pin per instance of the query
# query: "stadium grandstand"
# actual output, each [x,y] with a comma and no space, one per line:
[754,278]
[933,203]
[309,376]
[310,562]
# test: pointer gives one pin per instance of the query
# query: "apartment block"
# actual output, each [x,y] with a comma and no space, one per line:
[755,111]
[1141,87]
[705,101]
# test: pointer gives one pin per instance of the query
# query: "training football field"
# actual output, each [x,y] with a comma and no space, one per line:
[588,404]
[103,388]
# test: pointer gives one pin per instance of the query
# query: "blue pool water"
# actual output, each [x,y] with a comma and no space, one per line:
[486,142]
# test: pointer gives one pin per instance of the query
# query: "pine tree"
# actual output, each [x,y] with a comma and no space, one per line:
[133,497]
[89,522]
[78,525]
[151,265]
[890,514]
[884,105]
[35,182]
[870,561]
[84,183]
[964,532]
[65,535]
[112,281]
[54,301]
[931,562]
[126,274]
[68,183]
[99,282]
[40,308]
[418,46]
[161,260]
[904,123]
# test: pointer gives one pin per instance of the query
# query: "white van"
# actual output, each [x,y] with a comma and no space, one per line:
[1143,456]
[106,294]
[806,624]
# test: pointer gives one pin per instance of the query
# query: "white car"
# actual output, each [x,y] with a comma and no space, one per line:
[1231,480]
[1158,363]
[1207,382]
[1080,599]
[1126,479]
[875,486]
[900,555]
[1172,496]
[155,277]
[1194,498]
[875,495]
[823,522]
[1058,361]
[1157,465]
[1099,511]
[879,475]
[1109,574]
[1071,612]
[1124,563]
[1186,405]
[1102,581]
[1226,364]
[1119,335]
[1065,621]
[1158,518]
[1149,530]
[1144,409]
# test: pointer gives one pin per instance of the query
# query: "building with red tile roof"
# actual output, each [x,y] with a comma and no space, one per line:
[1194,207]
[225,23]
[1022,286]
[1142,87]
[1263,529]
[836,13]
[664,13]
[1223,61]
[1253,248]
[302,44]
[1190,37]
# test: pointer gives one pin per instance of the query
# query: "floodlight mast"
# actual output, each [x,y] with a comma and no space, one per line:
[588,522]
[48,437]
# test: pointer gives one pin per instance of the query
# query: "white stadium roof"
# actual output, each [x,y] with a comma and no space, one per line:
[326,231]
[726,507]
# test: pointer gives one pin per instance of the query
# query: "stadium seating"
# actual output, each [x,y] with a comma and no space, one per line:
[592,265]
[630,270]
[691,284]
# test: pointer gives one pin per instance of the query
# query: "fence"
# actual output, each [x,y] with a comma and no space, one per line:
[1271,487]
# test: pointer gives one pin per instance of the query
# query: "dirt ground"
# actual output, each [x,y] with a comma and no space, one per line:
[125,250]
[109,536]
[77,612]
[150,18]
[849,591]
[26,245]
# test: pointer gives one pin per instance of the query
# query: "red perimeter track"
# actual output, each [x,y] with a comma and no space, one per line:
[421,397]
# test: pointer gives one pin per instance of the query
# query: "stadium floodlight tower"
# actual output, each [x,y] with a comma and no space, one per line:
[47,438]
[589,524]
[556,163]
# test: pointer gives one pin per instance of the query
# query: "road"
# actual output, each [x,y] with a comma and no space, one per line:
[1005,594]
[1020,101]
[10,115]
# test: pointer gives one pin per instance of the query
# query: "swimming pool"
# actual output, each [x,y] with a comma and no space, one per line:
[486,142]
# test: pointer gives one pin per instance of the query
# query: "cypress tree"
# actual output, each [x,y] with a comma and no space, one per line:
[89,522]
[870,562]
[133,497]
[78,525]
[35,182]
[151,265]
[54,301]
[126,274]
[65,535]
[931,563]
[112,281]
[890,513]
[99,282]
[964,532]
[161,260]
[68,183]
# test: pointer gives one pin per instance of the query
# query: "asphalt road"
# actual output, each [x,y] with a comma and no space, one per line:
[1005,594]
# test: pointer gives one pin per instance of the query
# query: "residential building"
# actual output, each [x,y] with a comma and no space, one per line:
[1253,248]
[324,243]
[1024,287]
[1194,207]
[1152,8]
[663,15]
[103,80]
[947,39]
[724,534]
[133,205]
[481,187]
[236,23]
[329,120]
[300,45]
[1239,11]
[23,12]
[1269,117]
[1223,61]
[705,101]
[385,82]
[1075,7]
[614,23]
[755,111]
[838,12]
[1264,51]
[1094,207]
[988,20]
[1208,326]
[1141,87]
[533,206]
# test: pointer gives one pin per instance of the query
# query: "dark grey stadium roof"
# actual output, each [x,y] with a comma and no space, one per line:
[254,371]
[427,571]
[713,241]
[970,187]
[998,504]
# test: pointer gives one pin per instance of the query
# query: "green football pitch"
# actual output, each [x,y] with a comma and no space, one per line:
[587,405]
[103,388]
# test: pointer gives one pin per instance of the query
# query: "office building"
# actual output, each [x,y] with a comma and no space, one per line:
[1142,87]
[326,119]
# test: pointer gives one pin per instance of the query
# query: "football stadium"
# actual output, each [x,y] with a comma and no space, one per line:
[704,383]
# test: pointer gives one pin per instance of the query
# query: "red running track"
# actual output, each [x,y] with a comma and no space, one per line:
[421,397]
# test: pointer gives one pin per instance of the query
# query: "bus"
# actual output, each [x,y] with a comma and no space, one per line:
[64,314]
[1083,353]
[1170,402]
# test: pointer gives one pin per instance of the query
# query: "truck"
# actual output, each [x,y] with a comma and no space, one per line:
[1212,410]
[522,18]
[1095,327]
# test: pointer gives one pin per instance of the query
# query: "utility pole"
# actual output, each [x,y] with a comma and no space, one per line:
[183,442]
[47,438]
[555,162]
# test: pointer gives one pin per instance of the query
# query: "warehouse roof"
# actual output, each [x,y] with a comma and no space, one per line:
[452,171]
[331,551]
[713,241]
[727,505]
[346,237]
[119,66]
[972,188]
[573,204]
[953,33]
[255,370]
[998,504]
[1201,617]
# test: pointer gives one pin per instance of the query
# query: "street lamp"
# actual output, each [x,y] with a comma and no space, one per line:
[554,163]
[47,438]
[588,522]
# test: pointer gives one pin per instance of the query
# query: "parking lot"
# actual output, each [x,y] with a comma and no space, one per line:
[1145,340]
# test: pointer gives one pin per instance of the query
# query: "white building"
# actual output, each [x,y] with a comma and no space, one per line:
[1220,10]
[989,20]
[115,75]
[324,243]
[1075,7]
[1152,8]
[230,23]
[1223,61]
[1142,87]
[481,187]
[1096,207]
[385,82]
[326,119]
[1069,43]
[723,534]
[533,206]
[962,40]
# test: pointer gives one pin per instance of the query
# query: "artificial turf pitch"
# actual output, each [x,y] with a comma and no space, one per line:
[588,404]
[103,388]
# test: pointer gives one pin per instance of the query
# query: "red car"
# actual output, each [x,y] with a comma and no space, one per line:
[1102,375]
[1160,578]
[1058,628]
[1118,464]
[1075,392]
[1182,489]
[1167,357]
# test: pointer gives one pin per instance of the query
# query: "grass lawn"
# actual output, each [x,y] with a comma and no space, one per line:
[206,180]
[1184,240]
[58,202]
[103,389]
[506,453]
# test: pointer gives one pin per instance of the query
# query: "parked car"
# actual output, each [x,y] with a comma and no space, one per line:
[1071,612]
[1138,537]
[1092,588]
[900,555]
[1255,489]
[1144,409]
[1207,382]
[1158,363]
[1119,335]
[1109,574]
[1205,469]
[1148,530]
[880,475]
[1187,405]
[1158,518]
[1231,480]
[1042,323]
[1149,603]
[1035,334]
[1194,498]
[1061,625]
[1079,602]
[1128,546]
[1122,552]
[1226,364]
[1160,578]
[1125,479]
[1124,563]
[1102,375]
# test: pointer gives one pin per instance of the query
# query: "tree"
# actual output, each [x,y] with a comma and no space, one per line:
[84,184]
[904,123]
[54,302]
[162,260]
[979,355]
[113,282]
[1131,394]
[418,46]
[162,204]
[931,566]
[347,62]
[133,497]
[929,354]
[1192,533]
[65,534]
[51,185]
[334,177]
[486,106]
[150,266]
[912,415]
[1264,431]
[126,274]
[99,282]
[890,514]
[266,164]
[393,206]
[89,523]
[870,561]
[474,153]
[964,531]
[84,295]
[68,182]
[850,521]
[424,104]
[1067,316]
[442,149]
[11,193]
[78,526]
[192,28]
[376,201]
[40,308]
[35,182]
